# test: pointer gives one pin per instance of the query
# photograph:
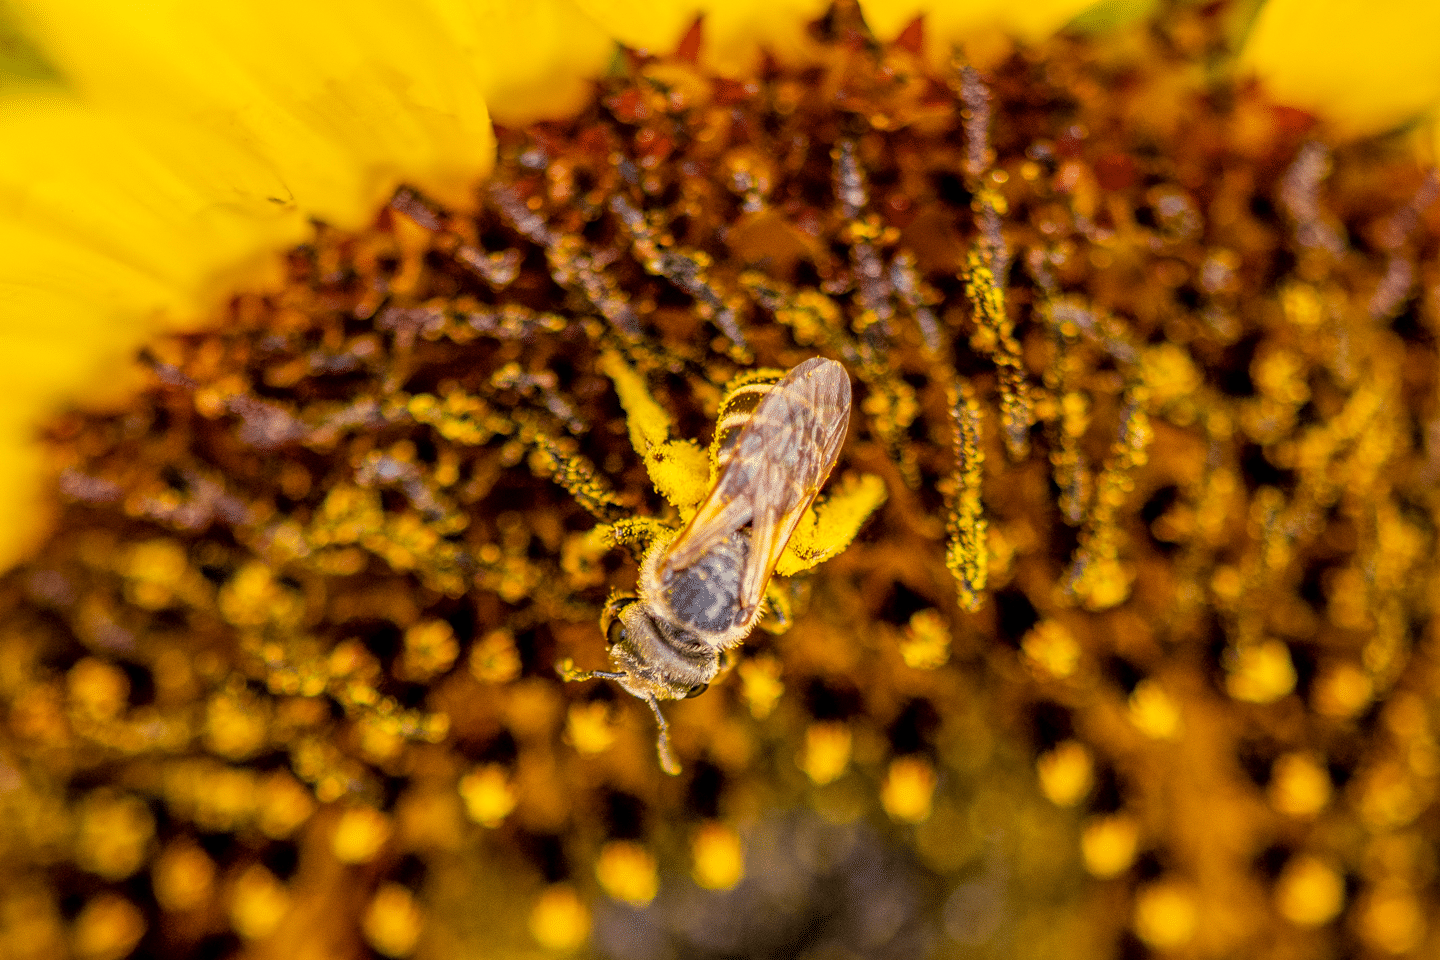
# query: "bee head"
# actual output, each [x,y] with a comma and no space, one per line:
[654,657]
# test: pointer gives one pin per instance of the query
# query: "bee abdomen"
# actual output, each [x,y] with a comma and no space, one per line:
[736,410]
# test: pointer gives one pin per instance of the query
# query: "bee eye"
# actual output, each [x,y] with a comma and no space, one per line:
[610,621]
[615,633]
[696,690]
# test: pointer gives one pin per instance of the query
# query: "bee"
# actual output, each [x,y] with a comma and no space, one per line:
[701,590]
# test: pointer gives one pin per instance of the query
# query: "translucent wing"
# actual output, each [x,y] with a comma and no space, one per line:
[768,476]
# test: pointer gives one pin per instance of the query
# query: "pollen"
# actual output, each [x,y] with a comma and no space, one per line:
[908,790]
[1154,712]
[627,872]
[760,684]
[183,877]
[718,856]
[393,921]
[1299,785]
[1066,773]
[1051,649]
[826,753]
[1260,672]
[494,659]
[1108,845]
[589,727]
[359,835]
[258,902]
[1166,915]
[1310,891]
[925,644]
[560,921]
[109,927]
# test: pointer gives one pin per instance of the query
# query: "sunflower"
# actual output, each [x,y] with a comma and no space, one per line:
[283,672]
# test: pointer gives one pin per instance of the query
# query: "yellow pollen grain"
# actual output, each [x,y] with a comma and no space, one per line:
[1051,650]
[719,857]
[285,804]
[359,835]
[108,928]
[926,642]
[235,727]
[1154,712]
[1299,785]
[1166,916]
[494,659]
[560,921]
[183,877]
[258,902]
[114,835]
[488,794]
[1343,691]
[1393,921]
[627,872]
[430,649]
[1260,672]
[393,921]
[1310,892]
[1066,773]
[589,727]
[909,789]
[97,690]
[826,753]
[1108,845]
[760,684]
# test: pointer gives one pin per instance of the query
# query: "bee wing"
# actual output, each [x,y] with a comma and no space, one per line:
[771,474]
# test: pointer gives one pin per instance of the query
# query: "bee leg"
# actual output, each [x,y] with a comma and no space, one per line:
[568,673]
[668,763]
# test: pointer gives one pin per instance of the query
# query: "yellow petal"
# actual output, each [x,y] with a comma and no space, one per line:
[947,24]
[733,32]
[1369,65]
[338,104]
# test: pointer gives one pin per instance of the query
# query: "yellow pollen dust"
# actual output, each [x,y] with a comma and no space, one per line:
[589,727]
[393,922]
[285,804]
[488,795]
[1066,773]
[115,832]
[1310,892]
[909,789]
[760,684]
[1299,785]
[258,903]
[1154,712]
[97,690]
[1166,915]
[495,659]
[1108,845]
[560,921]
[826,753]
[926,643]
[1051,650]
[719,857]
[430,649]
[1343,691]
[1393,921]
[183,877]
[359,835]
[1260,672]
[627,872]
[109,928]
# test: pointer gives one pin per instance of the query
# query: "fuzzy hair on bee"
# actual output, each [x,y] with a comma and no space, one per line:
[701,589]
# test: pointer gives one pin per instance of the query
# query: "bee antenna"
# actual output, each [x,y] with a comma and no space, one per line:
[668,763]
